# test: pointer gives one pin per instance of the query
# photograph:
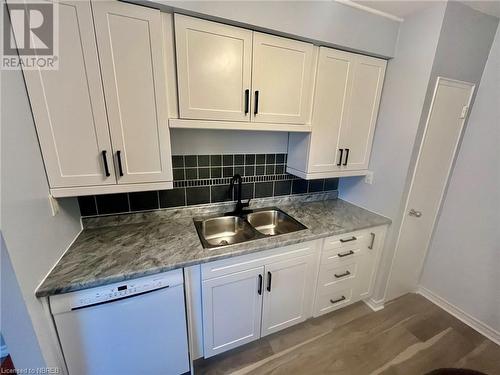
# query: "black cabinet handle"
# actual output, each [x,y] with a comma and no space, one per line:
[269,278]
[247,101]
[341,255]
[340,158]
[119,157]
[337,300]
[372,242]
[260,285]
[346,273]
[105,161]
[346,156]
[256,107]
[348,239]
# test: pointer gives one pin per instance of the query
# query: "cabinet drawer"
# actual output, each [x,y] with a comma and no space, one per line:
[337,273]
[333,300]
[346,241]
[244,262]
[341,255]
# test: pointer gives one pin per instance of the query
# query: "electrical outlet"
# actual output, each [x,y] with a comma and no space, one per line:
[54,205]
[369,178]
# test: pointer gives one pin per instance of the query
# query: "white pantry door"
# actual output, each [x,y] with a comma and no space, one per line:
[444,126]
[130,44]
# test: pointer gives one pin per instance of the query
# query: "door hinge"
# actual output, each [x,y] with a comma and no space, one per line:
[464,111]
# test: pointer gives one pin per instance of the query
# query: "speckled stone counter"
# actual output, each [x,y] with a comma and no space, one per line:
[116,248]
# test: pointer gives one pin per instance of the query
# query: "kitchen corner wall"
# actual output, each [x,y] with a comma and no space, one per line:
[34,238]
[200,179]
[466,239]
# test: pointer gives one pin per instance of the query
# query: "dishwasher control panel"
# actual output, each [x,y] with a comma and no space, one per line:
[115,291]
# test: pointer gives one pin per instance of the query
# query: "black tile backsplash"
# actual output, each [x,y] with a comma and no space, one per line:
[87,205]
[202,179]
[144,200]
[112,203]
[172,198]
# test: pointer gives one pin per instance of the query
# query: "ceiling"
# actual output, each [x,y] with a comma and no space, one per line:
[404,8]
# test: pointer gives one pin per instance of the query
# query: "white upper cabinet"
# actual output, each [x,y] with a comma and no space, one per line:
[366,88]
[282,78]
[101,117]
[214,67]
[333,84]
[346,102]
[130,51]
[237,76]
[68,106]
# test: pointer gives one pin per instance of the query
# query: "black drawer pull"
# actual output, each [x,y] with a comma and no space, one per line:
[333,301]
[340,158]
[341,255]
[346,156]
[346,273]
[269,278]
[256,107]
[260,285]
[105,161]
[119,157]
[348,240]
[247,101]
[373,241]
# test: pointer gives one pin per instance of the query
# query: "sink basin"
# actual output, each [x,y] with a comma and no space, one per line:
[225,230]
[273,222]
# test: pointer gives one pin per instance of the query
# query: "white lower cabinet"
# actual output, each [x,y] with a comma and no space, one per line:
[287,297]
[348,264]
[251,296]
[232,306]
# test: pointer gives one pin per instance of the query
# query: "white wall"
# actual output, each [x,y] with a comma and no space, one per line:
[400,110]
[329,22]
[200,142]
[464,44]
[35,240]
[463,263]
[15,320]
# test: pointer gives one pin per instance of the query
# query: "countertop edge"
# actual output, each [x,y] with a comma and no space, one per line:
[41,293]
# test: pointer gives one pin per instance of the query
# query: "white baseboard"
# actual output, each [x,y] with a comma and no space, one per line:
[461,315]
[374,305]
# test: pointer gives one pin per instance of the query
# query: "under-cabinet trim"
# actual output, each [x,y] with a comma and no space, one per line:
[175,123]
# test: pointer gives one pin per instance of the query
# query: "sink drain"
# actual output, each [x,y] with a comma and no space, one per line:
[223,243]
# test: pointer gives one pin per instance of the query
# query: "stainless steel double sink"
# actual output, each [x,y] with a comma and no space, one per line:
[251,225]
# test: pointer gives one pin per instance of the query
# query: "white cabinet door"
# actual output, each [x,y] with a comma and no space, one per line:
[356,138]
[282,79]
[288,293]
[331,101]
[370,260]
[214,63]
[232,307]
[68,106]
[129,38]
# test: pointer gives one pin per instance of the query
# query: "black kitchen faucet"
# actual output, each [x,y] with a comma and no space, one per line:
[238,209]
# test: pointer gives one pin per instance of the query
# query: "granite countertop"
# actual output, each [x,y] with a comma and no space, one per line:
[121,247]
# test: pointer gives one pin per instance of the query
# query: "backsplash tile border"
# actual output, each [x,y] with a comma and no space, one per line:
[195,191]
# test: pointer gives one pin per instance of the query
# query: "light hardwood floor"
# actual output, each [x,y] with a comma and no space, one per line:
[409,336]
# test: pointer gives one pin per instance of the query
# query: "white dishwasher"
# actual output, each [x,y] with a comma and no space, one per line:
[134,327]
